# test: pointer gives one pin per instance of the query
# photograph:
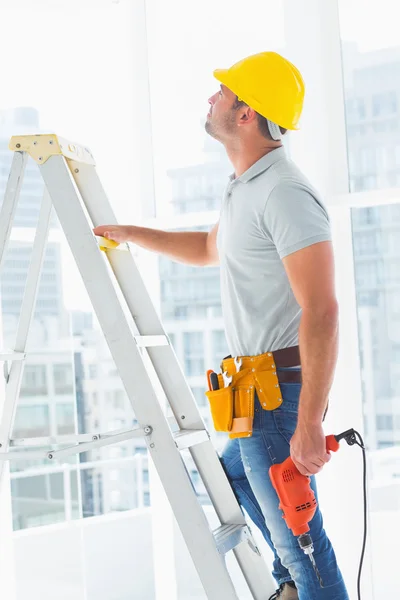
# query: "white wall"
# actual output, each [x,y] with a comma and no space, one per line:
[106,558]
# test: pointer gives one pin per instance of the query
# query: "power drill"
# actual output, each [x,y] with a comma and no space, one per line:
[297,499]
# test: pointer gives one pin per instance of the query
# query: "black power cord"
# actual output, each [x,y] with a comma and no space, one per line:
[352,437]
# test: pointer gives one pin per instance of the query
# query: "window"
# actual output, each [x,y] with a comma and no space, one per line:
[63,379]
[366,275]
[381,158]
[384,422]
[31,421]
[92,371]
[384,104]
[199,395]
[367,160]
[365,243]
[355,109]
[193,353]
[119,399]
[34,381]
[219,347]
[65,416]
[396,155]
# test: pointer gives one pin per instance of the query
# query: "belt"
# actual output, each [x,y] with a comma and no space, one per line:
[284,358]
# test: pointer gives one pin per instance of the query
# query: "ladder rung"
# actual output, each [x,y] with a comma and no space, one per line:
[229,536]
[99,442]
[186,438]
[60,440]
[146,341]
[48,441]
[11,355]
[28,455]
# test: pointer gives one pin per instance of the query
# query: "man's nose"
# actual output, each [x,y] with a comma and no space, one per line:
[212,99]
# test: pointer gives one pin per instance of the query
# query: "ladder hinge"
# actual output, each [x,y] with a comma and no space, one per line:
[227,537]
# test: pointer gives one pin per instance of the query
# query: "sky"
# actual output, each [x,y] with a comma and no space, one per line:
[77,62]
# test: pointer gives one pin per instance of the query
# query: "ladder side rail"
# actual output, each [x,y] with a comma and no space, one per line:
[10,201]
[14,378]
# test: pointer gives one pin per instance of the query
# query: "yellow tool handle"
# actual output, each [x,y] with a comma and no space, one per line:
[106,244]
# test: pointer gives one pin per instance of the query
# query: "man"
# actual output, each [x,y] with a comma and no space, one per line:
[273,244]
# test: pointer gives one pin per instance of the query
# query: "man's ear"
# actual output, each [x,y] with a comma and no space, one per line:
[247,115]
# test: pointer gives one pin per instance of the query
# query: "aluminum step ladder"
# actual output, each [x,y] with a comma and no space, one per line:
[140,349]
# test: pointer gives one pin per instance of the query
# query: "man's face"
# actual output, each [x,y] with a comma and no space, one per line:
[221,120]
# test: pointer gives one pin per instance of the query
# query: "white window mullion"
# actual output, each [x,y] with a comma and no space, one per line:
[320,149]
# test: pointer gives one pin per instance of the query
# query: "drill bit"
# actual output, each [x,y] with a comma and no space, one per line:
[306,544]
[314,564]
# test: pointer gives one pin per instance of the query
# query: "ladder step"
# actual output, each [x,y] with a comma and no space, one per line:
[186,438]
[11,355]
[147,341]
[227,537]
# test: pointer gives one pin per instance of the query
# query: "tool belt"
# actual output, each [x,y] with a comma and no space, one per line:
[232,405]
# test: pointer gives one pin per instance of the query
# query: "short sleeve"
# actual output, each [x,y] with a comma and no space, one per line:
[294,218]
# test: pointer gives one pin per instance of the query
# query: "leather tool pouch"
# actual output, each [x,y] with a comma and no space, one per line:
[221,406]
[232,407]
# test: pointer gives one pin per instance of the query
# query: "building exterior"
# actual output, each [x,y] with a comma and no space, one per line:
[373,125]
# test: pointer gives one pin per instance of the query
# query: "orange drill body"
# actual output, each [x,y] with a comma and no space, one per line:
[296,498]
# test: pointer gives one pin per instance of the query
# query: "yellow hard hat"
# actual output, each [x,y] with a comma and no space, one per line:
[269,84]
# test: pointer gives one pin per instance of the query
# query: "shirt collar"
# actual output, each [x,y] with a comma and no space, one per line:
[261,165]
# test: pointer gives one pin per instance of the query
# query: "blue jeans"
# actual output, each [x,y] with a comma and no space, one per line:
[246,462]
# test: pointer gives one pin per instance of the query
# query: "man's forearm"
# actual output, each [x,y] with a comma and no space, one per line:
[184,246]
[318,340]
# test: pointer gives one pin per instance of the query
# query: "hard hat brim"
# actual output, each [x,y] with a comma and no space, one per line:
[222,75]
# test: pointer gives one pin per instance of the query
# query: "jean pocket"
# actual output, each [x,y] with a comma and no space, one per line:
[285,422]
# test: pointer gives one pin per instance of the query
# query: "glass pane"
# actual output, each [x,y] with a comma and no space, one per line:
[116,486]
[38,500]
[377,272]
[371,64]
[372,82]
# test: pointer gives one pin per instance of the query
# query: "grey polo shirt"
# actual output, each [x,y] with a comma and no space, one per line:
[267,213]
